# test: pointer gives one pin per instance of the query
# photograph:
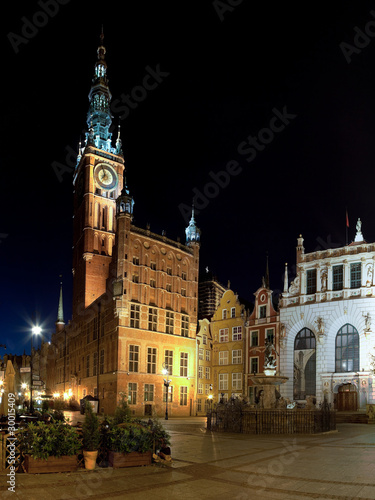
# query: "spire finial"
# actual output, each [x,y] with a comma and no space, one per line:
[267,276]
[286,278]
[60,310]
[192,232]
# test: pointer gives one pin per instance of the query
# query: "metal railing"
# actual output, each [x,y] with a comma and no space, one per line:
[237,419]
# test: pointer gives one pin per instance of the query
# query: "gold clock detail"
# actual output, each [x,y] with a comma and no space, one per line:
[105,176]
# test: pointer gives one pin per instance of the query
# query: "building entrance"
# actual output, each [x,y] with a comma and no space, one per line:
[347,398]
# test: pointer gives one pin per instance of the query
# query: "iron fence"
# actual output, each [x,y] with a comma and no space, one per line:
[238,419]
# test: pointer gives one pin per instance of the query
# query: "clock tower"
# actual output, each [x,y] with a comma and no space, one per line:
[98,181]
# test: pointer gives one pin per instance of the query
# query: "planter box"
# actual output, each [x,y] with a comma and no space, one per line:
[132,459]
[52,464]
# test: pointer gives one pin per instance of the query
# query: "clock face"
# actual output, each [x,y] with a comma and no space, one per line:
[105,176]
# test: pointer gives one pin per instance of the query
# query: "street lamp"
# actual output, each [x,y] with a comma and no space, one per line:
[36,330]
[166,385]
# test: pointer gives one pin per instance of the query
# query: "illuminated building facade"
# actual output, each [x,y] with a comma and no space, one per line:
[228,331]
[326,325]
[204,367]
[135,293]
[263,324]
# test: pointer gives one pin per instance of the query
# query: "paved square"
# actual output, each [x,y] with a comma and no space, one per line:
[338,465]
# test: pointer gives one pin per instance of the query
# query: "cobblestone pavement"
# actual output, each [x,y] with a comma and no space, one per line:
[337,465]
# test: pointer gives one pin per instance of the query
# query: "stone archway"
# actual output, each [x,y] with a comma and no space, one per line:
[304,383]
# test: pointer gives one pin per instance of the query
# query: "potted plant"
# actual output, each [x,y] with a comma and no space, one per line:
[51,447]
[90,437]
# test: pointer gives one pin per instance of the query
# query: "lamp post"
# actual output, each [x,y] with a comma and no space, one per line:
[166,385]
[36,330]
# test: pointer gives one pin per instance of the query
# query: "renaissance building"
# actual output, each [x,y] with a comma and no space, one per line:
[135,293]
[327,333]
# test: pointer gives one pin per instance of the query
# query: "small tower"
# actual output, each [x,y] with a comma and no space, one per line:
[193,233]
[125,202]
[124,216]
[300,248]
[60,323]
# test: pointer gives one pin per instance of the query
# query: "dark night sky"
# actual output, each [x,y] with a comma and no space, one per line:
[224,79]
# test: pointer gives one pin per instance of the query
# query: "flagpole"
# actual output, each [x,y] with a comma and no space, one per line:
[346,226]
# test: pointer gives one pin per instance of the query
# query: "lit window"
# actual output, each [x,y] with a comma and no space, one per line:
[355,275]
[184,326]
[169,322]
[338,277]
[152,319]
[254,365]
[132,393]
[133,358]
[224,335]
[223,381]
[168,361]
[347,349]
[269,335]
[151,360]
[262,312]
[311,281]
[237,333]
[134,315]
[237,356]
[149,392]
[183,396]
[223,357]
[184,364]
[236,381]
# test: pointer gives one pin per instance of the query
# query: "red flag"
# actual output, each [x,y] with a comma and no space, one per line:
[347,219]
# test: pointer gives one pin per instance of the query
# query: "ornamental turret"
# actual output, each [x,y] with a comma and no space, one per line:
[60,323]
[193,233]
[99,118]
[125,202]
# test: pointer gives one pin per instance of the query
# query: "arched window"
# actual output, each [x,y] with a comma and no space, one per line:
[304,365]
[347,349]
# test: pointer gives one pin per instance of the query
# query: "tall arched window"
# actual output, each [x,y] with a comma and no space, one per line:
[304,365]
[347,349]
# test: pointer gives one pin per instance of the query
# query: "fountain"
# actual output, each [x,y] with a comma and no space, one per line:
[269,380]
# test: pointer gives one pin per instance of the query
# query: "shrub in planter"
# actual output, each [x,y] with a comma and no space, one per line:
[90,437]
[130,444]
[41,440]
[160,436]
[129,437]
